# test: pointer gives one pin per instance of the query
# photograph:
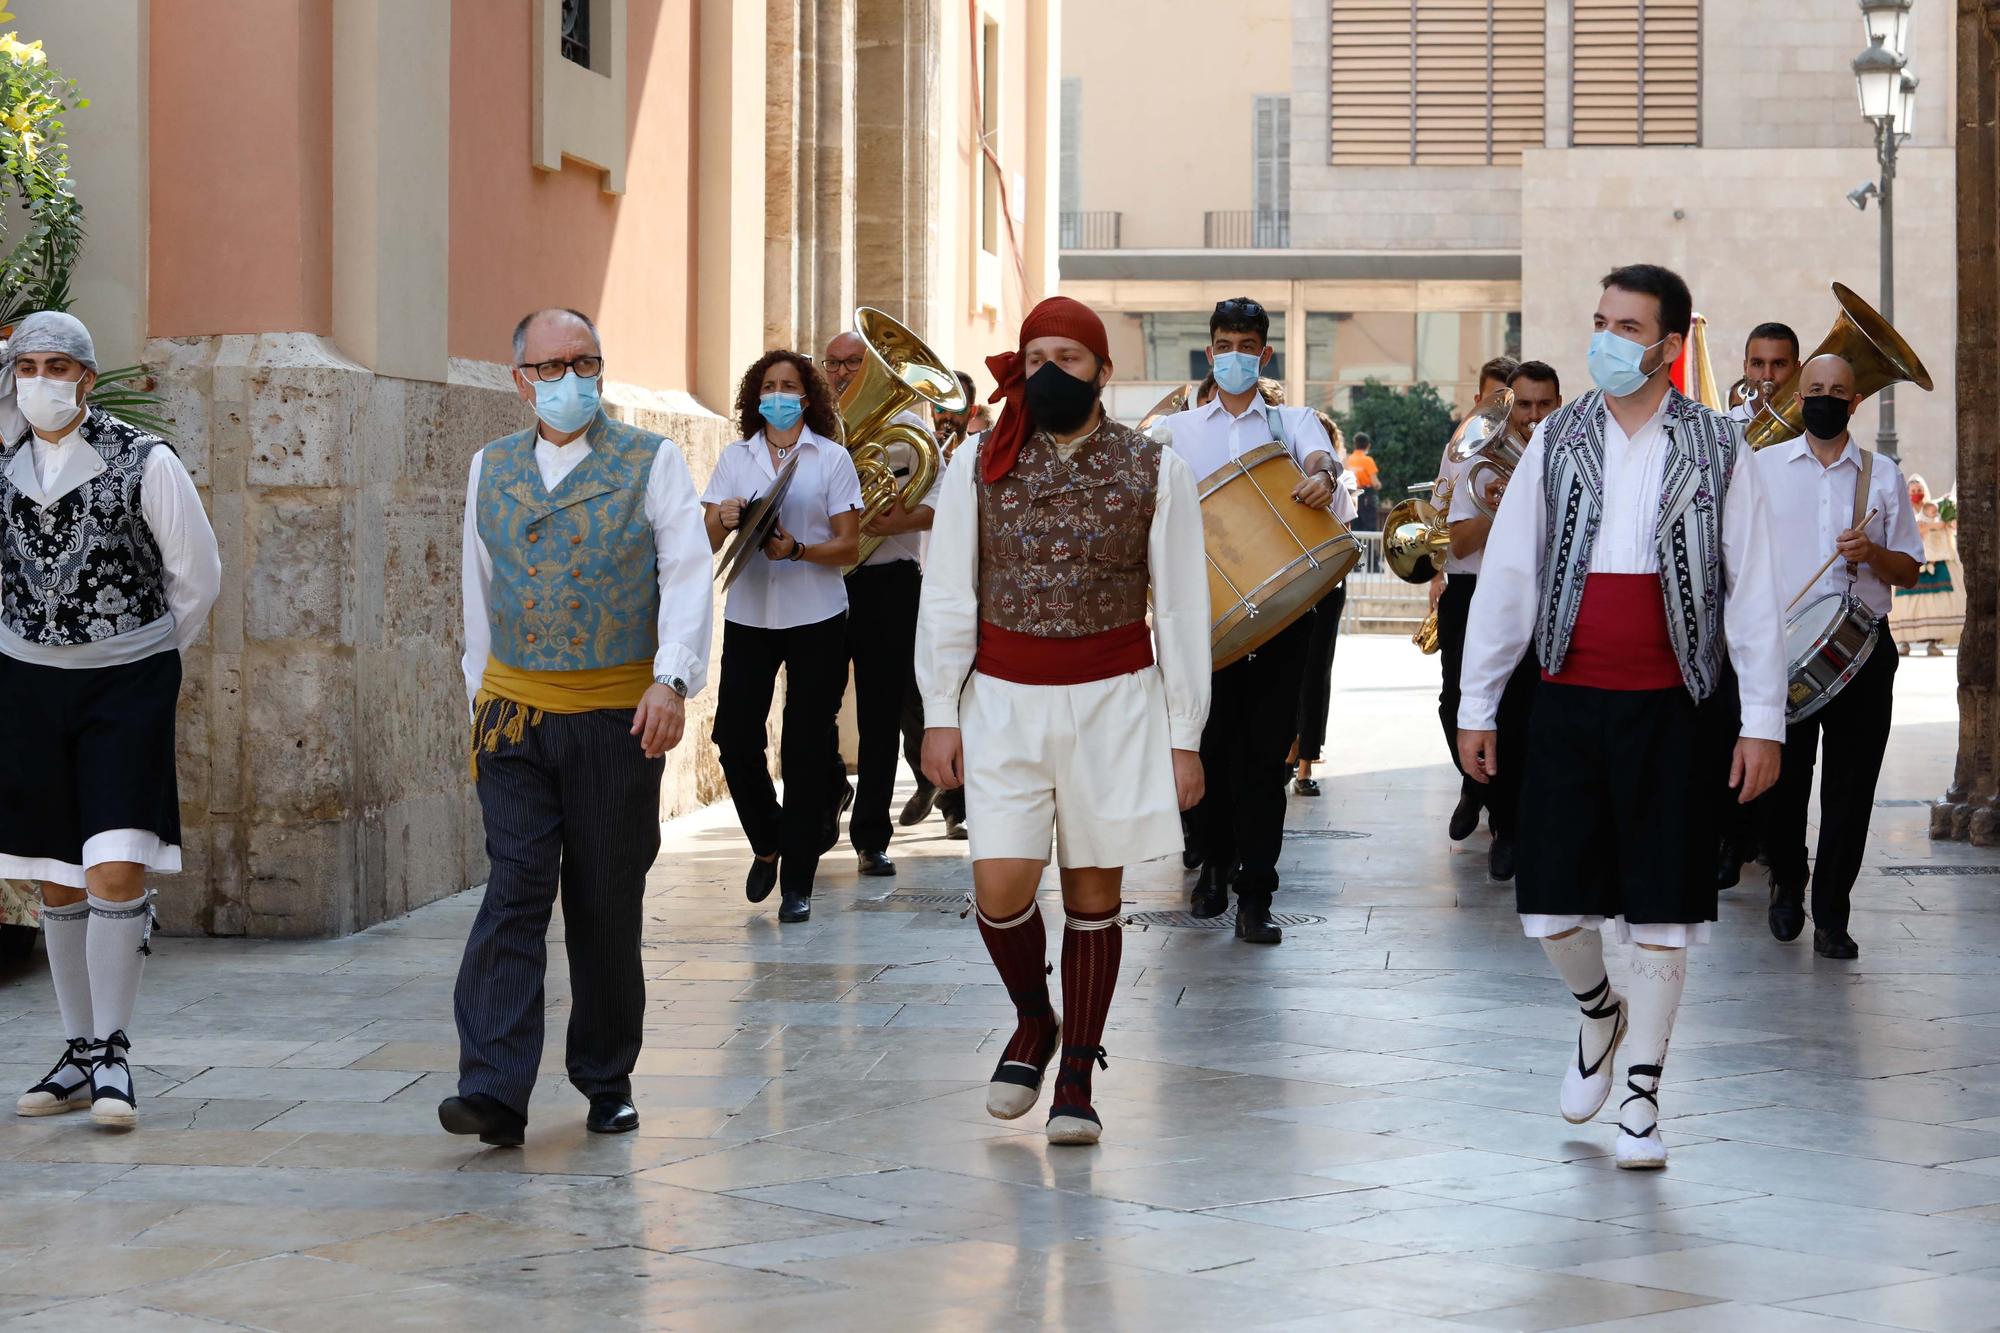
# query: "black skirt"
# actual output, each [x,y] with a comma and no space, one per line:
[1619,805]
[90,750]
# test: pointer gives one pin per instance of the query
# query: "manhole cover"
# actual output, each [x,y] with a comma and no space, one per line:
[1323,834]
[1227,921]
[907,902]
[1902,805]
[1939,870]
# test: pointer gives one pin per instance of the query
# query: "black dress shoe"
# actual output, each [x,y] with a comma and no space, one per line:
[1465,818]
[612,1115]
[918,808]
[1254,924]
[491,1119]
[795,909]
[1835,944]
[1305,786]
[875,865]
[1787,914]
[830,834]
[954,828]
[1728,867]
[1211,894]
[1500,859]
[763,877]
[1190,842]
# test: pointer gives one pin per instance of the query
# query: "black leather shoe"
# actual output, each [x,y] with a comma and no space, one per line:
[1465,818]
[1728,867]
[1305,786]
[1787,915]
[1500,859]
[491,1119]
[830,835]
[1211,894]
[795,909]
[763,877]
[1190,842]
[918,808]
[1254,924]
[954,828]
[612,1115]
[1835,944]
[875,865]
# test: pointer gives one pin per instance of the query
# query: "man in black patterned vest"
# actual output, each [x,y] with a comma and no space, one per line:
[1631,544]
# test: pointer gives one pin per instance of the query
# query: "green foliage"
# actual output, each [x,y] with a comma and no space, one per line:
[1408,428]
[1948,510]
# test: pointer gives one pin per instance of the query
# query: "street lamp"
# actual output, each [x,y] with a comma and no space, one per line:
[1888,98]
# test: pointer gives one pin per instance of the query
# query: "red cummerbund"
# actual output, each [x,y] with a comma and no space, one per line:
[1030,659]
[1621,641]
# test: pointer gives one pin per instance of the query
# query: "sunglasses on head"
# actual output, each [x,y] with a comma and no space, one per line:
[1238,307]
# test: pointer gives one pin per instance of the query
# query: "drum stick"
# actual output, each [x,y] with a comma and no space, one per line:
[1821,571]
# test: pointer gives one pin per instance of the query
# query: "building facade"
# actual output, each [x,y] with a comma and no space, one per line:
[1421,184]
[318,221]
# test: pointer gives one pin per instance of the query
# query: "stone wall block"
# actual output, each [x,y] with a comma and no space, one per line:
[298,733]
[184,378]
[423,848]
[437,451]
[301,557]
[300,879]
[421,596]
[378,444]
[193,727]
[412,732]
[304,421]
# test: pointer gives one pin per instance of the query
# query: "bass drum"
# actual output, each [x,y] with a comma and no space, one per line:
[1270,559]
[1827,642]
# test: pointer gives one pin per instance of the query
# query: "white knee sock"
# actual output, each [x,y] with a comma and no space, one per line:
[1654,997]
[64,931]
[1579,961]
[117,952]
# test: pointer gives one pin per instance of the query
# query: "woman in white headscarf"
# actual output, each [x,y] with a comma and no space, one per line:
[1933,612]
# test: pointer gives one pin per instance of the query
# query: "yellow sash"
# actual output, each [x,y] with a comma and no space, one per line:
[511,699]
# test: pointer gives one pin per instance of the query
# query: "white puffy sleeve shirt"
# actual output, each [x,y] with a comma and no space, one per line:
[782,594]
[1812,505]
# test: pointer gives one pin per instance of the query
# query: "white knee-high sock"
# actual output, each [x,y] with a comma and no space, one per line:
[117,952]
[64,932]
[1654,995]
[1579,960]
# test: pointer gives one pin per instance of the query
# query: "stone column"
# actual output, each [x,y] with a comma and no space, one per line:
[1971,807]
[829,264]
[896,128]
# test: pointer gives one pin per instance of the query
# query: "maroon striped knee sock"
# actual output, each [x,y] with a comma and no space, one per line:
[1020,949]
[1093,942]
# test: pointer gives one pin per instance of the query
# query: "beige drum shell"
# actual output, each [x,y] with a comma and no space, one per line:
[1825,647]
[1270,559]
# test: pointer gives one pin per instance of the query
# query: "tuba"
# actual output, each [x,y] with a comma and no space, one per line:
[1860,337]
[1416,535]
[1177,400]
[898,373]
[1488,437]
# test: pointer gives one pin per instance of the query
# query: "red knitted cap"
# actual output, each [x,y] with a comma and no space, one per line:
[1056,317]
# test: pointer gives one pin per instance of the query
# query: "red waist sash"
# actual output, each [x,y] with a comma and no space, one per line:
[1030,659]
[1621,641]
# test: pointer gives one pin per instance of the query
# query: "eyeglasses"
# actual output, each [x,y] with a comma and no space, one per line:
[586,367]
[1239,307]
[848,363]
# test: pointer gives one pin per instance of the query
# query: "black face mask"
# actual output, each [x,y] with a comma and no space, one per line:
[1824,415]
[1058,401]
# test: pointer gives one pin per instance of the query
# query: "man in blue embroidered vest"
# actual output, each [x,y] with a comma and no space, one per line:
[587,621]
[1632,545]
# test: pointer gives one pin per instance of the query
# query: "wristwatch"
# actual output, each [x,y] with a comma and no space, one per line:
[674,683]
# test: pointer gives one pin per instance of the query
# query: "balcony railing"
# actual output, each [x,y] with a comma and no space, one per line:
[1247,229]
[1089,231]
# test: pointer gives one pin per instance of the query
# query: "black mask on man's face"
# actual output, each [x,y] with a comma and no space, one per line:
[1058,401]
[1824,415]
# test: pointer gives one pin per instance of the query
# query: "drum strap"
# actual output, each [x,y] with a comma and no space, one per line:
[1860,498]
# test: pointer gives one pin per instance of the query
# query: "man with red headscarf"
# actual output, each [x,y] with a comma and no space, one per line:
[1046,696]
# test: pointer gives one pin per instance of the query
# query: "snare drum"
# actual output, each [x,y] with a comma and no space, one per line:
[1270,559]
[1827,642]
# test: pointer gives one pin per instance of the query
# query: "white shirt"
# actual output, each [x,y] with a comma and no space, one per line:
[1210,437]
[1507,602]
[191,566]
[948,624]
[905,545]
[680,543]
[1811,505]
[780,594]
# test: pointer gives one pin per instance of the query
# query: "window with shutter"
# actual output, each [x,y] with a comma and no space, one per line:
[1435,82]
[1271,155]
[1070,180]
[1636,80]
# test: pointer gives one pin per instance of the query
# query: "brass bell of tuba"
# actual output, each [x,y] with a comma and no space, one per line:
[1860,337]
[898,373]
[1486,439]
[1416,535]
[1177,400]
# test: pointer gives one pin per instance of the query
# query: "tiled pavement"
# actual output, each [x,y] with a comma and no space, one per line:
[1353,1131]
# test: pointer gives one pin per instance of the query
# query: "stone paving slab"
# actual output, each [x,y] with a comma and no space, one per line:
[1353,1131]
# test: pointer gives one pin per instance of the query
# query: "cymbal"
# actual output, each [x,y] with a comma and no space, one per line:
[760,520]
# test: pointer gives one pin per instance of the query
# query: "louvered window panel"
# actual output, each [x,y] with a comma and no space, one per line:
[1636,78]
[1435,82]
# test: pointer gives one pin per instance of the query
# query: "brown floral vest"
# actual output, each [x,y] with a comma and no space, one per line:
[1062,545]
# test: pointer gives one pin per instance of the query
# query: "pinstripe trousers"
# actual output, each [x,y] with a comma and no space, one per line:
[572,807]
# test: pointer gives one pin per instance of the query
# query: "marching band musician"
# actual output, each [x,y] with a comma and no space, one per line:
[1253,709]
[1634,541]
[789,609]
[1044,696]
[953,429]
[1451,601]
[1819,488]
[1770,355]
[882,596]
[1537,393]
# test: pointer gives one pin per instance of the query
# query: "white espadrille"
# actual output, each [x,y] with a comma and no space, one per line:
[1586,1084]
[1016,1084]
[66,1087]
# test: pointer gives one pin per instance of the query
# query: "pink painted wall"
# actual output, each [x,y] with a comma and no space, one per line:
[241,169]
[523,238]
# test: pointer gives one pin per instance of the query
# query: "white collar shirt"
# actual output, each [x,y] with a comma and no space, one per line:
[1211,437]
[1812,504]
[783,594]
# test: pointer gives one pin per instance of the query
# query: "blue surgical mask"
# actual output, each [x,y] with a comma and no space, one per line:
[568,404]
[1614,363]
[781,410]
[1236,372]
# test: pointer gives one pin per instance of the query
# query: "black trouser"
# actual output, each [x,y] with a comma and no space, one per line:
[1453,607]
[814,659]
[1253,709]
[950,801]
[1854,727]
[1316,684]
[1517,705]
[573,806]
[882,644]
[1739,822]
